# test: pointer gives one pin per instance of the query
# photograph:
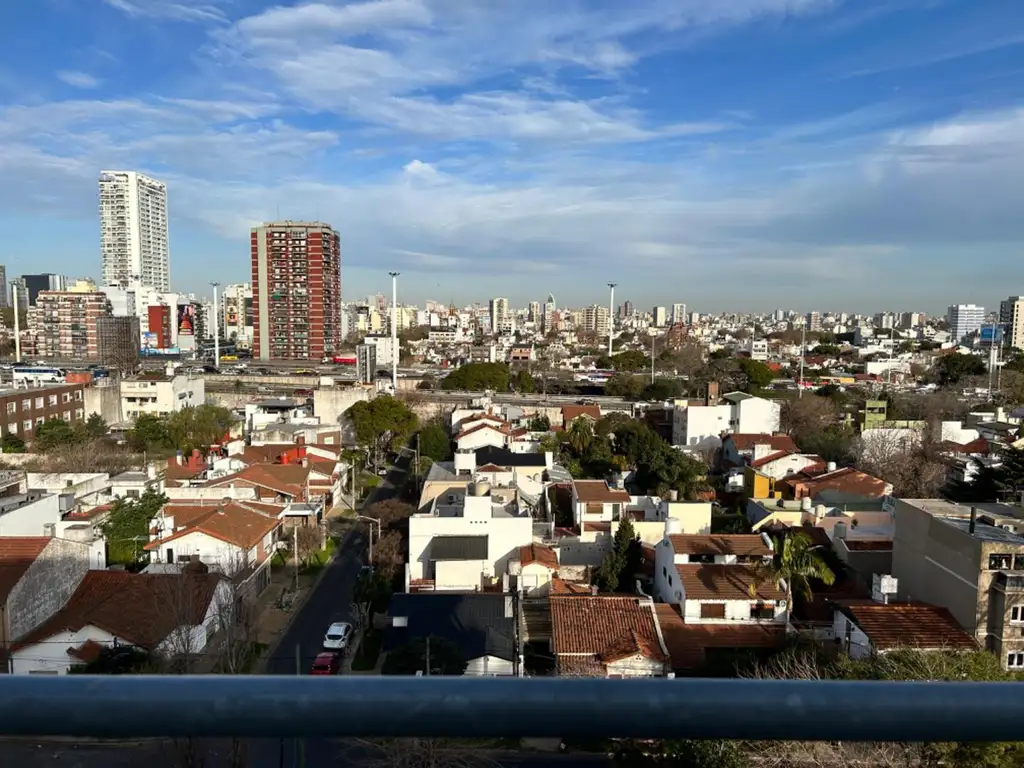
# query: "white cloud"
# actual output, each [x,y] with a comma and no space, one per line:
[77,79]
[170,10]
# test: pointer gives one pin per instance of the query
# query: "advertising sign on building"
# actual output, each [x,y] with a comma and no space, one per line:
[186,320]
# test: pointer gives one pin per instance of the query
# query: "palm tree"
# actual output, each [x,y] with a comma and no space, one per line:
[796,561]
[581,435]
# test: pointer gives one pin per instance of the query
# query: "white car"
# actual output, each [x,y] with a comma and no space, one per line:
[337,636]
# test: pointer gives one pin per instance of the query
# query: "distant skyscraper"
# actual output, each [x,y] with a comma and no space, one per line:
[4,302]
[296,287]
[678,313]
[660,317]
[549,314]
[814,321]
[596,319]
[626,310]
[500,318]
[535,312]
[964,319]
[44,282]
[1011,317]
[18,294]
[133,229]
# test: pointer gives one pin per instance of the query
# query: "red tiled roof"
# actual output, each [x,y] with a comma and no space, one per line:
[686,643]
[572,412]
[724,582]
[537,553]
[747,441]
[17,553]
[502,428]
[289,479]
[89,514]
[232,522]
[845,480]
[140,608]
[491,468]
[908,625]
[591,631]
[770,458]
[599,491]
[742,544]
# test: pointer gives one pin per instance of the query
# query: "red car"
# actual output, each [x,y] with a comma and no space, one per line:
[326,664]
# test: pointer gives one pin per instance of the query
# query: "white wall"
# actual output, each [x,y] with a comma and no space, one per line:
[489,666]
[460,574]
[756,415]
[83,484]
[29,519]
[955,432]
[859,644]
[787,465]
[636,666]
[735,610]
[218,555]
[505,536]
[481,438]
[699,426]
[535,580]
[51,655]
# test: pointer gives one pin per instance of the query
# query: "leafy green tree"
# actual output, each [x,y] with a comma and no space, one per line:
[54,433]
[382,424]
[476,377]
[624,385]
[434,442]
[539,423]
[126,527]
[950,369]
[994,483]
[446,658]
[622,561]
[662,389]
[149,434]
[754,375]
[581,435]
[12,444]
[630,361]
[549,443]
[523,382]
[796,561]
[96,426]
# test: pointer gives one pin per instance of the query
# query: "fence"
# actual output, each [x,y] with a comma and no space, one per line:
[260,706]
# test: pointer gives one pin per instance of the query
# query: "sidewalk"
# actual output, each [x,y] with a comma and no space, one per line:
[276,607]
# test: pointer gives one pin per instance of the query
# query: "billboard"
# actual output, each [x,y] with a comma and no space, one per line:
[991,334]
[186,320]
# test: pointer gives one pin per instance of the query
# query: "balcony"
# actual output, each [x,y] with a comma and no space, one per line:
[305,707]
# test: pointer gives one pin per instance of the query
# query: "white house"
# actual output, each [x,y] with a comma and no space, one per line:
[466,538]
[710,578]
[167,614]
[160,394]
[228,537]
[33,513]
[597,501]
[535,566]
[700,427]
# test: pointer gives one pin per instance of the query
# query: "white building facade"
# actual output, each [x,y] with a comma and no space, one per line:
[133,229]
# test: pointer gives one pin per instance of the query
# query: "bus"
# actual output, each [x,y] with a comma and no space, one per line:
[39,374]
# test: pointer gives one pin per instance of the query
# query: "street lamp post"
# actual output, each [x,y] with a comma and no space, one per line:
[394,332]
[216,327]
[371,520]
[611,316]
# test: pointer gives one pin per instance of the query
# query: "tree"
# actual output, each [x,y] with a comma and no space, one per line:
[539,423]
[624,385]
[622,561]
[1004,482]
[387,555]
[549,443]
[126,526]
[96,426]
[950,369]
[307,540]
[382,424]
[12,444]
[199,427]
[796,561]
[53,433]
[804,418]
[662,389]
[434,442]
[523,382]
[446,658]
[476,377]
[754,375]
[393,514]
[913,466]
[149,434]
[581,434]
[630,361]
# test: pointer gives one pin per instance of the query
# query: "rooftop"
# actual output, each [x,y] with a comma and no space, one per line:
[17,553]
[458,548]
[908,625]
[503,457]
[747,441]
[720,544]
[591,631]
[596,491]
[724,582]
[480,624]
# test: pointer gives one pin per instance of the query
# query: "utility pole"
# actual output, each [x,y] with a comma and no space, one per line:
[803,347]
[17,324]
[652,359]
[352,490]
[216,327]
[295,545]
[611,316]
[394,332]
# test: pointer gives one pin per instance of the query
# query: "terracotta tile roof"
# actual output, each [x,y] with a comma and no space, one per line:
[908,625]
[770,458]
[742,544]
[747,441]
[89,514]
[182,472]
[562,587]
[537,553]
[724,582]
[590,631]
[140,608]
[491,468]
[845,480]
[17,553]
[232,522]
[289,479]
[572,412]
[599,491]
[686,643]
[502,428]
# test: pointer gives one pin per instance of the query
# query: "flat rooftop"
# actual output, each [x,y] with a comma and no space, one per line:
[959,517]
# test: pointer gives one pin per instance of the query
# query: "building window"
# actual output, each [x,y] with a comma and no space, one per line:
[1015,660]
[39,402]
[53,400]
[12,406]
[79,413]
[66,415]
[65,397]
[762,611]
[999,562]
[12,427]
[1018,562]
[26,405]
[39,420]
[1017,614]
[712,610]
[27,425]
[78,394]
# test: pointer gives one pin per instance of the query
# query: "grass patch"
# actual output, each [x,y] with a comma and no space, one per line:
[368,652]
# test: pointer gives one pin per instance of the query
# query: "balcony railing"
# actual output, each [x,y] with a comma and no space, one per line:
[252,706]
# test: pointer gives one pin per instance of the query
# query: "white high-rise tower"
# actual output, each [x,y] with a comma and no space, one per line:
[133,230]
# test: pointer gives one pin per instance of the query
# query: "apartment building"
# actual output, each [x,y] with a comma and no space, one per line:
[296,283]
[1011,317]
[969,560]
[25,409]
[964,319]
[64,324]
[596,319]
[158,394]
[701,427]
[118,341]
[133,229]
[501,319]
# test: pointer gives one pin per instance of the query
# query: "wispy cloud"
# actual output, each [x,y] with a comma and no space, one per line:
[173,10]
[77,79]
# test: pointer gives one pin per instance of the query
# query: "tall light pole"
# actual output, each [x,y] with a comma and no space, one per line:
[394,332]
[611,316]
[216,327]
[17,323]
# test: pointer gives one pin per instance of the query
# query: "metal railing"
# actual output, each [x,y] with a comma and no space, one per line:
[260,706]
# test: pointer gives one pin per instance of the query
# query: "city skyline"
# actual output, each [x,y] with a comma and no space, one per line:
[808,146]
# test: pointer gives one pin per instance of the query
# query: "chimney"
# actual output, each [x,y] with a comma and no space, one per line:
[974,520]
[593,589]
[712,393]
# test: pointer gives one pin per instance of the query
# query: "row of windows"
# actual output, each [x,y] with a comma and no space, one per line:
[26,425]
[41,402]
[1006,562]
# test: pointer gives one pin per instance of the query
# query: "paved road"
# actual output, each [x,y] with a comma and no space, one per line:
[331,598]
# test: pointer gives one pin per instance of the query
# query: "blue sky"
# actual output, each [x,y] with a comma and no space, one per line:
[730,154]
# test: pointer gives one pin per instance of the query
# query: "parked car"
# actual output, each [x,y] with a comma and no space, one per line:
[383,471]
[337,636]
[326,664]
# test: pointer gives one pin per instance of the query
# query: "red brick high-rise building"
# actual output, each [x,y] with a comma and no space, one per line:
[296,286]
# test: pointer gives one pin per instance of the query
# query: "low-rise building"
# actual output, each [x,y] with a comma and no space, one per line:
[159,394]
[865,628]
[22,409]
[702,427]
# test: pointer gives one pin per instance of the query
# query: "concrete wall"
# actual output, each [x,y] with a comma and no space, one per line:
[47,585]
[104,400]
[329,403]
